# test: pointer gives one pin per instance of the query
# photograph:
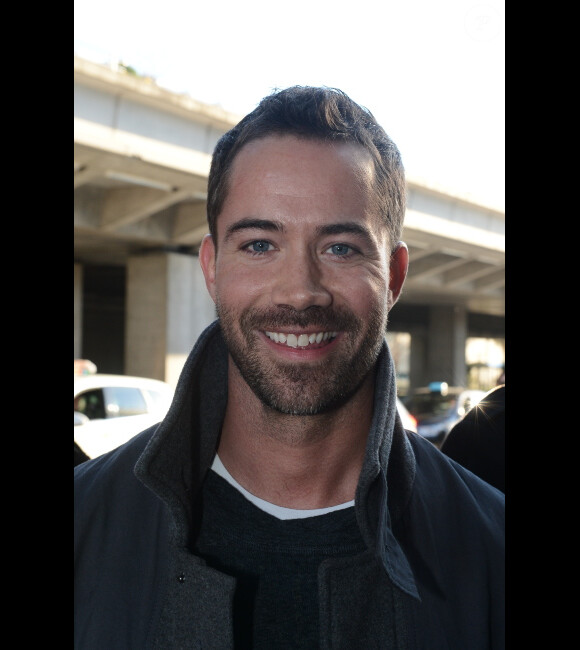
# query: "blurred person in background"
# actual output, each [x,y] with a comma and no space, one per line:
[281,503]
[477,441]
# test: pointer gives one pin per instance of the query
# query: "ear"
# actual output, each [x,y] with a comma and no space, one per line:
[399,265]
[207,262]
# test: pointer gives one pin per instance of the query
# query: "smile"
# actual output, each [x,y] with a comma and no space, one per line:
[300,341]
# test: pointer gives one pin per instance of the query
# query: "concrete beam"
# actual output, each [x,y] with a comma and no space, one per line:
[467,272]
[493,280]
[106,138]
[190,223]
[126,206]
[433,264]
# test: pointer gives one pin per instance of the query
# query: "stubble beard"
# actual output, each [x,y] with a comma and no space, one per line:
[304,388]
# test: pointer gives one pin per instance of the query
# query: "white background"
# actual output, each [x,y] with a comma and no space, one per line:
[432,72]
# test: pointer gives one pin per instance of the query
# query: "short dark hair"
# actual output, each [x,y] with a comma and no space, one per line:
[316,113]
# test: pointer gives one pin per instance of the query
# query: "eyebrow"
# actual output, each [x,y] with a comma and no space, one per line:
[348,227]
[253,224]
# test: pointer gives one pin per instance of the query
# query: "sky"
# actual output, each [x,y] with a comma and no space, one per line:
[431,71]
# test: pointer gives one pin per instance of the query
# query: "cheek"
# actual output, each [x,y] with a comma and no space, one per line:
[371,281]
[238,284]
[368,298]
[362,293]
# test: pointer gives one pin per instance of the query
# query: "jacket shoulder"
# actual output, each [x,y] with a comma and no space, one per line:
[110,479]
[453,534]
[447,486]
[120,548]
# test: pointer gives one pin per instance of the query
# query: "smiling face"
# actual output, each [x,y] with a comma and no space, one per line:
[302,277]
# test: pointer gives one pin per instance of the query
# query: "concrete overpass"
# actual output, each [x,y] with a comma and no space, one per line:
[141,160]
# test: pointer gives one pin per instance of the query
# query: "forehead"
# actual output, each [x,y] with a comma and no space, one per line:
[285,175]
[276,156]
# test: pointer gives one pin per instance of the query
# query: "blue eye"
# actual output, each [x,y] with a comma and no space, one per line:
[340,249]
[259,246]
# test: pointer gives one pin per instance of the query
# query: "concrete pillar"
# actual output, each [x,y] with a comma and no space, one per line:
[167,308]
[446,345]
[78,334]
[418,357]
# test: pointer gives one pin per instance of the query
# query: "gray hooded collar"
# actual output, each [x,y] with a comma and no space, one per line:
[175,462]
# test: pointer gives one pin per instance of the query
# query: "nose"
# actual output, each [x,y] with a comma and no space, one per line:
[299,284]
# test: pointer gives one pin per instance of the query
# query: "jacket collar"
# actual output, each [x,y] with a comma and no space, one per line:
[175,462]
[386,478]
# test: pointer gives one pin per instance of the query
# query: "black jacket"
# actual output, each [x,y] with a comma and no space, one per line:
[432,576]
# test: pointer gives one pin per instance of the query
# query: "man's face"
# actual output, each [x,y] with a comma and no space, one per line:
[302,272]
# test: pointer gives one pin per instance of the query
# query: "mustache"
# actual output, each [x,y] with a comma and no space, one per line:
[320,318]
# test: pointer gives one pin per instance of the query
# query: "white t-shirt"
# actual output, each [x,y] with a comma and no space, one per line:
[272,509]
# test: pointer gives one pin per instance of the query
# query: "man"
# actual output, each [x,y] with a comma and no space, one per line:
[280,503]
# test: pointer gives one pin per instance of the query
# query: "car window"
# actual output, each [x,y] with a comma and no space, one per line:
[122,401]
[431,404]
[91,403]
[159,399]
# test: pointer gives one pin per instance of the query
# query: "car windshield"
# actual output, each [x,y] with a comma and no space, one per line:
[431,404]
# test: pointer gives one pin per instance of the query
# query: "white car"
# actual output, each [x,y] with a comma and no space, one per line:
[111,409]
[408,420]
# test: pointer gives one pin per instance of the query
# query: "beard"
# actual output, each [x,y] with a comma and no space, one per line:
[304,388]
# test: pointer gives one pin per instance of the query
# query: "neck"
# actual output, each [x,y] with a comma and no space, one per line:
[294,461]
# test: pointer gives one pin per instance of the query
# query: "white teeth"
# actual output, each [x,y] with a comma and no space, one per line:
[302,340]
